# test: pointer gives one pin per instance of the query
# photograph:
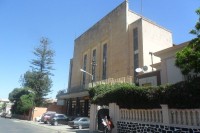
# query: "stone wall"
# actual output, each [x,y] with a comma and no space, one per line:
[134,127]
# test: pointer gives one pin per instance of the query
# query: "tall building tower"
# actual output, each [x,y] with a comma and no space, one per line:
[110,51]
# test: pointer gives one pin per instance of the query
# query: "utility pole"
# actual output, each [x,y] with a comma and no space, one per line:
[93,70]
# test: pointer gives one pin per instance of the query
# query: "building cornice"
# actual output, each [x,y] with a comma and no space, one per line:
[174,48]
[73,95]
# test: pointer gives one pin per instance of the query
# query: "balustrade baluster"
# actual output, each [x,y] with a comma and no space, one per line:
[134,113]
[182,117]
[150,115]
[129,114]
[176,117]
[126,114]
[145,117]
[155,113]
[198,118]
[179,117]
[192,118]
[158,116]
[142,114]
[195,118]
[139,118]
[122,112]
[172,117]
[186,117]
[154,116]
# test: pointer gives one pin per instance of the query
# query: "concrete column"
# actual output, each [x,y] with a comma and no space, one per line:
[77,106]
[165,114]
[86,103]
[93,114]
[114,115]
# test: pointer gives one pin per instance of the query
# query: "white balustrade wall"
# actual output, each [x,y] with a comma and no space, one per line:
[189,117]
[177,117]
[154,120]
[142,115]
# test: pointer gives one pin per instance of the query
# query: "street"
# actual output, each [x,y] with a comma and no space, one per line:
[14,126]
[22,126]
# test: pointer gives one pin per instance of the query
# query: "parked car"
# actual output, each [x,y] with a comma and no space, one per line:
[80,122]
[56,119]
[71,118]
[46,116]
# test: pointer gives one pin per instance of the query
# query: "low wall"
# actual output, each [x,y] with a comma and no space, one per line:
[38,111]
[174,117]
[162,120]
[134,127]
[21,117]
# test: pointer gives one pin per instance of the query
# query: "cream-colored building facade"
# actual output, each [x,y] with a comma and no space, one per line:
[111,49]
[170,74]
[165,72]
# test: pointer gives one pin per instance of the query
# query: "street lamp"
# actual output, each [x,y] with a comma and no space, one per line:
[151,53]
[88,74]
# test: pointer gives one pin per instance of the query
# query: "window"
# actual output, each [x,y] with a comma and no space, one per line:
[135,39]
[84,68]
[94,64]
[136,61]
[135,51]
[60,116]
[147,84]
[136,64]
[84,120]
[104,61]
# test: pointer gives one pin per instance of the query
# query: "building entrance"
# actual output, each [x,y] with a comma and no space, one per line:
[101,115]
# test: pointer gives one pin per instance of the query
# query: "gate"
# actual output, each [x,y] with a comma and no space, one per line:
[101,114]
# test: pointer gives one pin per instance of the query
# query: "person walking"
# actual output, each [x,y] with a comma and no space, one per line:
[108,124]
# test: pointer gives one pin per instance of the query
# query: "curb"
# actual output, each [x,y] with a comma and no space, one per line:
[38,124]
[52,127]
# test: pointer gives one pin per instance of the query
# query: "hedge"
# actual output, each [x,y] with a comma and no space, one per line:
[180,95]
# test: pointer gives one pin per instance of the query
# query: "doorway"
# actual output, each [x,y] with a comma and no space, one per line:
[101,114]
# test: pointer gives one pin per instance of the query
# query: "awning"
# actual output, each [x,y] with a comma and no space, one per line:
[74,95]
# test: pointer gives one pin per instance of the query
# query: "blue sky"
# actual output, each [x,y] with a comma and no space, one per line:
[24,22]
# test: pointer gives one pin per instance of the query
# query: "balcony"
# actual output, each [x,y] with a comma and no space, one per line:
[111,81]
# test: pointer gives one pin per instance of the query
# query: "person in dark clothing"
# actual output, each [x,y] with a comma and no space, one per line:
[107,122]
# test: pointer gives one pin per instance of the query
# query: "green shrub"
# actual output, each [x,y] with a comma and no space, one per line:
[184,94]
[180,95]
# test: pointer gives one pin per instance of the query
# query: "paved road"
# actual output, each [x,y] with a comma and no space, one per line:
[21,126]
[14,126]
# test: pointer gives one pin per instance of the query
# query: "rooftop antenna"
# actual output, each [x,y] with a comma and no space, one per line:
[141,7]
[75,35]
